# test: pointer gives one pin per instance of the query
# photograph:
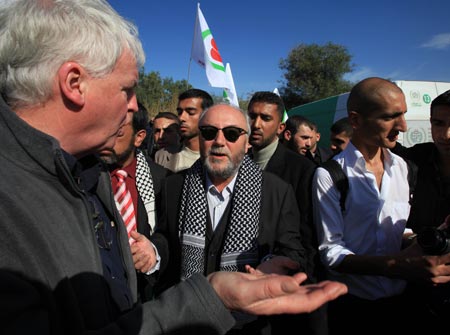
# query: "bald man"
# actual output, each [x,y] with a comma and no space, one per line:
[225,212]
[362,246]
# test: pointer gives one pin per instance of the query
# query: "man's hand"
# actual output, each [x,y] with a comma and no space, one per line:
[144,256]
[263,294]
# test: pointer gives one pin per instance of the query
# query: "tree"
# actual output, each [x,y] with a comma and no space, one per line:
[159,94]
[315,72]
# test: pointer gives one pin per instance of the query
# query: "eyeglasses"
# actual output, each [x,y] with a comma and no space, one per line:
[231,133]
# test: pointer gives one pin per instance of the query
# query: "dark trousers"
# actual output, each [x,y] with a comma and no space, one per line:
[314,323]
[351,315]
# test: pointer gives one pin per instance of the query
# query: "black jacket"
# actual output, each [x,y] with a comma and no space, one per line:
[297,170]
[278,229]
[431,198]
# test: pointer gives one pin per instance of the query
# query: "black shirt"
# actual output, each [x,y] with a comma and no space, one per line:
[86,173]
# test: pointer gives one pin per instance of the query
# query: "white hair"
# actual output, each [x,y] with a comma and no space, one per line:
[38,36]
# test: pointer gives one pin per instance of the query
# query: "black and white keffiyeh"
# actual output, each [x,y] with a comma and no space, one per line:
[144,184]
[240,245]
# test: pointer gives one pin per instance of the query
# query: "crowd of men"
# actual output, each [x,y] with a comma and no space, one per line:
[214,220]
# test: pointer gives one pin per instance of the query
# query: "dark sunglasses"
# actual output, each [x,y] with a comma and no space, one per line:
[231,133]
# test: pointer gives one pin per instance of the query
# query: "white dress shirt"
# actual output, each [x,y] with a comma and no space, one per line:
[373,222]
[218,201]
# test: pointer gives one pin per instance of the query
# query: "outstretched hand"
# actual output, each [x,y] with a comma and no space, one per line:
[268,294]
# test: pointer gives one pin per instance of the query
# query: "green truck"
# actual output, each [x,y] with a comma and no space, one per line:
[419,95]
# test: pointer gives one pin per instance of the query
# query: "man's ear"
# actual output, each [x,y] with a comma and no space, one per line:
[281,127]
[287,135]
[139,137]
[353,118]
[71,82]
[317,136]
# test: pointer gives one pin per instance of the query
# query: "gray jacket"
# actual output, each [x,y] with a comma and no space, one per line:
[51,278]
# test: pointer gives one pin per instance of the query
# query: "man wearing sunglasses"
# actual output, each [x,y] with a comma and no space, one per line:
[226,213]
[265,111]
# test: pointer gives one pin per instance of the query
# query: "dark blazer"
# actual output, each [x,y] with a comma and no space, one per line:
[146,282]
[322,155]
[278,229]
[431,197]
[297,170]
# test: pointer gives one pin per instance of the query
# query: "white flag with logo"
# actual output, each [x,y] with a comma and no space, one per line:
[205,53]
[229,92]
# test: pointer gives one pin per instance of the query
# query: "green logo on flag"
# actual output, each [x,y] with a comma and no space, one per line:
[426,98]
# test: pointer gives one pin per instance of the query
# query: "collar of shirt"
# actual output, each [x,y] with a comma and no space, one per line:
[227,191]
[355,158]
[218,201]
[85,171]
[262,157]
[129,169]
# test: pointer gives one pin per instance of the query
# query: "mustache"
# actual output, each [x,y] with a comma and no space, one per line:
[219,151]
[256,132]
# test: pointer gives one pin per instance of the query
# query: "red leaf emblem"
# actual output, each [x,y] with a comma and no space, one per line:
[215,52]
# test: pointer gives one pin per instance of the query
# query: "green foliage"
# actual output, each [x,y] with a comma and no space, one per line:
[159,94]
[314,72]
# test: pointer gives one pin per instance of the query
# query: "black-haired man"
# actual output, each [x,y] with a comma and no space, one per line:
[191,104]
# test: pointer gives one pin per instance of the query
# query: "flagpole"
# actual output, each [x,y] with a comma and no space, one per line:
[192,45]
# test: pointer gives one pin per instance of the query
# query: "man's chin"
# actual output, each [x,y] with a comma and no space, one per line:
[390,143]
[108,156]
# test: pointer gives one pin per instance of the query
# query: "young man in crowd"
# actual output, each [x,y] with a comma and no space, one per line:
[303,136]
[191,104]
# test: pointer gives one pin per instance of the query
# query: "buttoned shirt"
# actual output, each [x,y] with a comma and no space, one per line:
[373,223]
[218,201]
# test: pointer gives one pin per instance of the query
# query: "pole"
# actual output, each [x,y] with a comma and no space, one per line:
[192,46]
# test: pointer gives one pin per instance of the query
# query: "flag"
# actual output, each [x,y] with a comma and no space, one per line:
[229,93]
[205,53]
[285,116]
